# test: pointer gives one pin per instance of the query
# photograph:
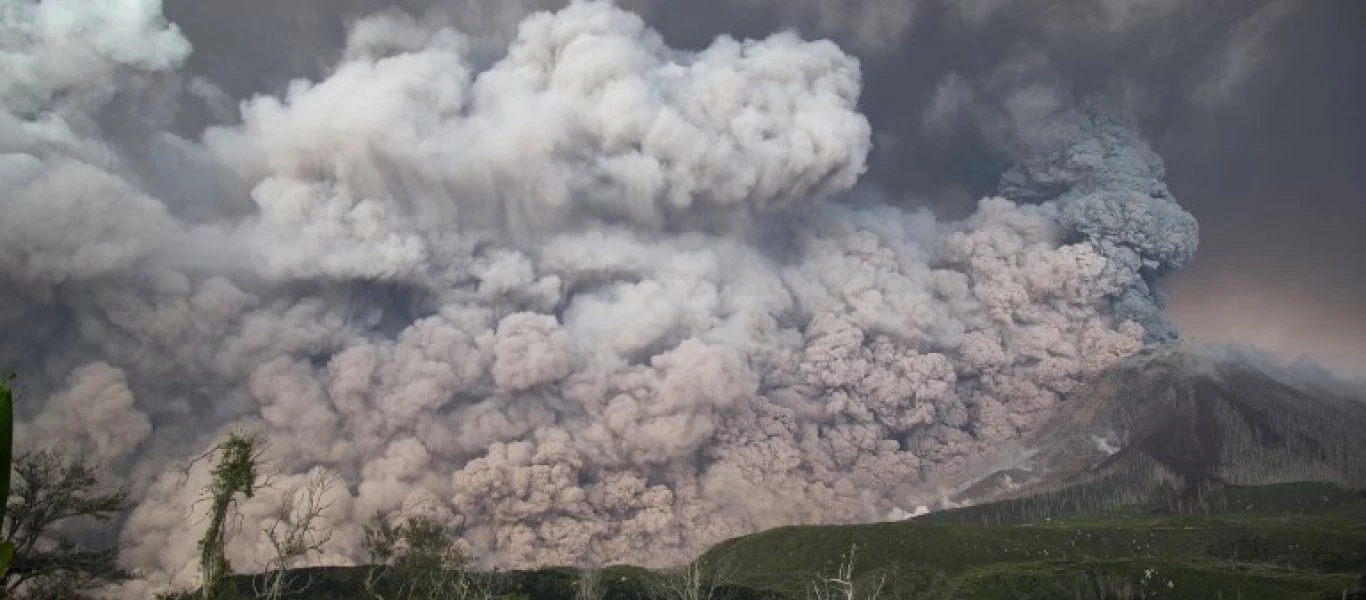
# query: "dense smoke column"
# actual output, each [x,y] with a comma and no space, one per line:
[598,300]
[1106,186]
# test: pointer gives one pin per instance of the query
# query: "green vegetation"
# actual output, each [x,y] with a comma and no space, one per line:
[419,558]
[235,473]
[43,493]
[6,451]
[52,490]
[1129,494]
[612,583]
[1283,541]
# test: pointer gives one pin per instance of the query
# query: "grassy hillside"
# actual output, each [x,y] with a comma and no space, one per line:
[1283,541]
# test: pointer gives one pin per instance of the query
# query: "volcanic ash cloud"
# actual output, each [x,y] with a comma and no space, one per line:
[597,301]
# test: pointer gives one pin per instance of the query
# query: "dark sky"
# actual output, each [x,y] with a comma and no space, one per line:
[1277,178]
[1258,107]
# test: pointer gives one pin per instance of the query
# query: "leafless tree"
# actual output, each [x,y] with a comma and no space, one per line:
[588,585]
[50,490]
[842,585]
[701,579]
[297,533]
[420,559]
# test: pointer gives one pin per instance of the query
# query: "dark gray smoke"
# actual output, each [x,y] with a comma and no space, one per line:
[1106,187]
[596,299]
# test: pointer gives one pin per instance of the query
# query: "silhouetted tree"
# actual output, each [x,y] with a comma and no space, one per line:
[419,559]
[51,489]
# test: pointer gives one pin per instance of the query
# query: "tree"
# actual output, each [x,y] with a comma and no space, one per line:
[419,559]
[6,449]
[701,579]
[50,490]
[296,535]
[588,585]
[844,586]
[236,472]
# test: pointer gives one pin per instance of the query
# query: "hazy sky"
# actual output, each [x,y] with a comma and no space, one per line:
[1259,111]
[1257,107]
[1275,177]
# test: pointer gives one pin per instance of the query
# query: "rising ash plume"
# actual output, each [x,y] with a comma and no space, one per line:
[599,300]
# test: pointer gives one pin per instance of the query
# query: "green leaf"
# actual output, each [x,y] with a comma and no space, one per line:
[6,441]
[6,555]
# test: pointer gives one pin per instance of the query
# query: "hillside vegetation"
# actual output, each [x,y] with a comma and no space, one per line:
[1282,541]
[1298,540]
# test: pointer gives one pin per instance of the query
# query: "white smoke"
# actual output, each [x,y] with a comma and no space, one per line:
[94,416]
[597,301]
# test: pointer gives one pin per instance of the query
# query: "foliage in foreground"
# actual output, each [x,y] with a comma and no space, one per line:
[6,455]
[52,491]
[234,474]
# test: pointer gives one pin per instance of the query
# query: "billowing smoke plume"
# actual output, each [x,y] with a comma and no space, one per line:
[601,300]
[1105,186]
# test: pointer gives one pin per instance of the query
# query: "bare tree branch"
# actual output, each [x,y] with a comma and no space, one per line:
[842,585]
[51,488]
[296,534]
[420,559]
[698,580]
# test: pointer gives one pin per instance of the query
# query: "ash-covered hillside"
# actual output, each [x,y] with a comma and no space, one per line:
[1185,418]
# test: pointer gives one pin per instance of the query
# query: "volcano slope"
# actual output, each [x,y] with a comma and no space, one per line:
[1180,472]
[1174,422]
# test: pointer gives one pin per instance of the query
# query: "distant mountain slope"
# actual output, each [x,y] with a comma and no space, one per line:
[1189,418]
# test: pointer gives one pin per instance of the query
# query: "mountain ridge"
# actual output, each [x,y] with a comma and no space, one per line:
[1189,418]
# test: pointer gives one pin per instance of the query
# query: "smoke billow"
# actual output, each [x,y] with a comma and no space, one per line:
[597,300]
